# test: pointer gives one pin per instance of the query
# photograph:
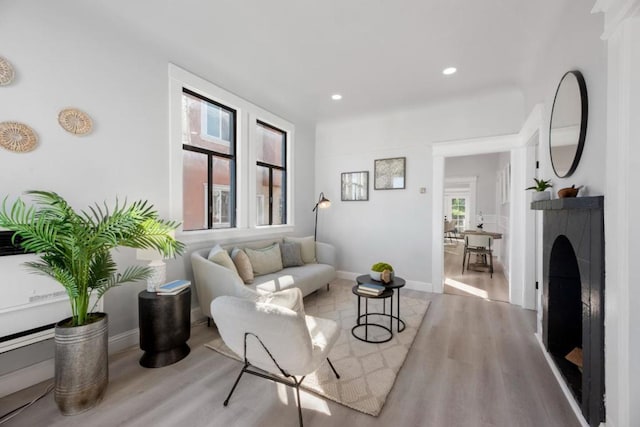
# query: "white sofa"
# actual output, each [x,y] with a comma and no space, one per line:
[213,280]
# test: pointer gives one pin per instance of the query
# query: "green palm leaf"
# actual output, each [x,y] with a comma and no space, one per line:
[74,248]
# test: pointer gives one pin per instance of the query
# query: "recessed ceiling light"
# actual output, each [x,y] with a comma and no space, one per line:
[336,97]
[449,71]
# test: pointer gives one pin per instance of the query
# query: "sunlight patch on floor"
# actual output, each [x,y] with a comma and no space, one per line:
[467,288]
[309,400]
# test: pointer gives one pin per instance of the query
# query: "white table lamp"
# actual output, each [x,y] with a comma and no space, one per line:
[157,266]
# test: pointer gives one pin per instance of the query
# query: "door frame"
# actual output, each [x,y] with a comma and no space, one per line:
[522,240]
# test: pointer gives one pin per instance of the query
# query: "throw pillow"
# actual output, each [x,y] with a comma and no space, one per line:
[242,263]
[291,254]
[266,260]
[307,248]
[221,257]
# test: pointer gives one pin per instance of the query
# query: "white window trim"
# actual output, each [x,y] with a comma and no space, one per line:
[246,116]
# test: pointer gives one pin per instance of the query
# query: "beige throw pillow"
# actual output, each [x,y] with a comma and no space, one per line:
[242,263]
[241,260]
[307,248]
[221,257]
[266,260]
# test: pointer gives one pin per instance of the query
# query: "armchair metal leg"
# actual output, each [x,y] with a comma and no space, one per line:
[299,404]
[226,401]
[328,286]
[333,369]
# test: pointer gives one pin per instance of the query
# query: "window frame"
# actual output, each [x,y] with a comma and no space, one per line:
[247,114]
[211,154]
[271,167]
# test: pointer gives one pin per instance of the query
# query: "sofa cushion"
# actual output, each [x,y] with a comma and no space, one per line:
[290,298]
[308,278]
[221,257]
[266,260]
[307,248]
[243,265]
[291,254]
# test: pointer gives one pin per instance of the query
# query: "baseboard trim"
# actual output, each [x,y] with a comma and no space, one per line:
[565,389]
[26,377]
[411,284]
[42,371]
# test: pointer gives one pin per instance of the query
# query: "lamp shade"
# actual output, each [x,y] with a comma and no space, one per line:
[324,203]
[151,254]
[148,255]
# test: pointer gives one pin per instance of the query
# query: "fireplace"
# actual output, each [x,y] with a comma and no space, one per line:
[573,297]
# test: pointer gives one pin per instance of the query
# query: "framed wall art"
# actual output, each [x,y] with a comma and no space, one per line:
[389,174]
[354,186]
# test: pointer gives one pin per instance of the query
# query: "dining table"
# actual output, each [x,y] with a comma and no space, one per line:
[481,232]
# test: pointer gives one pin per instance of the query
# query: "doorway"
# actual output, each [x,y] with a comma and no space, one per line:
[522,160]
[477,204]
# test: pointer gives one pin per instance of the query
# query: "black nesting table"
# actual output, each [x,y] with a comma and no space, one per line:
[165,327]
[387,293]
[395,284]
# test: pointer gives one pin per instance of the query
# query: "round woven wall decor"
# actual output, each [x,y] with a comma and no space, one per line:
[17,137]
[75,121]
[6,72]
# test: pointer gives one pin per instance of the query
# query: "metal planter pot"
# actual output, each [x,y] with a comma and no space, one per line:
[82,369]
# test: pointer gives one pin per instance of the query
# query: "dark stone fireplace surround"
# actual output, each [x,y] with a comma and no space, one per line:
[573,295]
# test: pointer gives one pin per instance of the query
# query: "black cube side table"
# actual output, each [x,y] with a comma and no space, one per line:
[165,327]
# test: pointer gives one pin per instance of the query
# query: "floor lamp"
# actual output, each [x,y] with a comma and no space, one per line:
[323,202]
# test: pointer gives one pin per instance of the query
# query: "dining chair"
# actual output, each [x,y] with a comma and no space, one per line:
[480,245]
[449,230]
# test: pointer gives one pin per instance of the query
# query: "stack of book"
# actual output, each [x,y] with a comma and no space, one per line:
[371,289]
[172,288]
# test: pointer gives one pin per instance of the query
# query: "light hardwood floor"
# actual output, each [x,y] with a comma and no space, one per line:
[475,282]
[474,363]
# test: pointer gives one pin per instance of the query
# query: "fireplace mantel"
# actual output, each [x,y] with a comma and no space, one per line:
[593,202]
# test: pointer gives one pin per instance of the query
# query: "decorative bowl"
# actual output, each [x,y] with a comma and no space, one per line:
[375,275]
[568,192]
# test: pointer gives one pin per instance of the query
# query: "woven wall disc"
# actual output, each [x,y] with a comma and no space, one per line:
[75,121]
[6,72]
[17,137]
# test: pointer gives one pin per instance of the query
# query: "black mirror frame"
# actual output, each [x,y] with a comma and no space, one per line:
[584,101]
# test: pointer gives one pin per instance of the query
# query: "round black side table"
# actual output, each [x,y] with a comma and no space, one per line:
[165,327]
[396,283]
[387,293]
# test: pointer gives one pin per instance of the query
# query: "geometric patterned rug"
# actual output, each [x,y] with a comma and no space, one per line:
[367,371]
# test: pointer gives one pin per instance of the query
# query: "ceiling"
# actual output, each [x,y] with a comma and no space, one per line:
[290,56]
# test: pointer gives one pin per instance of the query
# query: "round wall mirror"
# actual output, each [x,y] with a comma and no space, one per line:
[568,126]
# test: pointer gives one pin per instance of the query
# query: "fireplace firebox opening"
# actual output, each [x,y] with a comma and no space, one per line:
[565,314]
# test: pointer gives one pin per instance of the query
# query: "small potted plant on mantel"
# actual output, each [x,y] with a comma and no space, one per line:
[540,188]
[75,250]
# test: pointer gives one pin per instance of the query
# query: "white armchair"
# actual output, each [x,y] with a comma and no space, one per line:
[274,342]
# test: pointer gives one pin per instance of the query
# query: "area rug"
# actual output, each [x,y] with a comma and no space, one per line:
[367,371]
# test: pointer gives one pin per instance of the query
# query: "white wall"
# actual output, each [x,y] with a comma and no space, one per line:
[577,46]
[395,225]
[67,56]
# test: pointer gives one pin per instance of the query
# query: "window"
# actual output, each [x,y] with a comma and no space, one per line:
[208,163]
[230,163]
[271,174]
[458,212]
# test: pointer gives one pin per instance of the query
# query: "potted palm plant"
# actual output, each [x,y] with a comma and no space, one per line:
[75,250]
[540,188]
